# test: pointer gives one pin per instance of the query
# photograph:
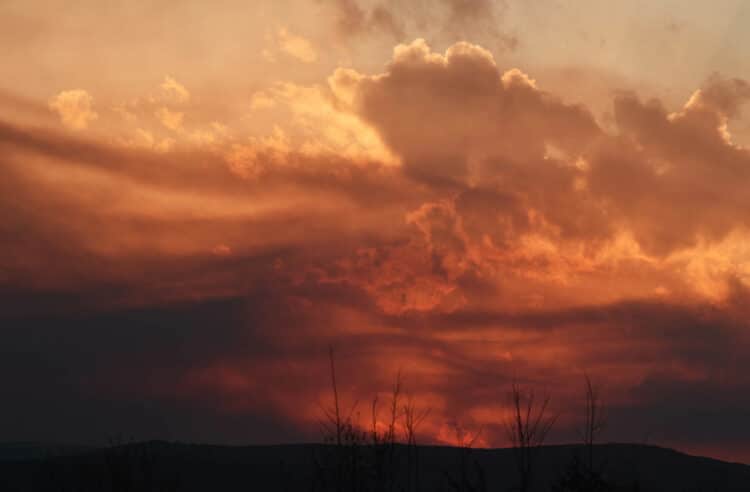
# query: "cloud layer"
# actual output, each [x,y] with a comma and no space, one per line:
[448,216]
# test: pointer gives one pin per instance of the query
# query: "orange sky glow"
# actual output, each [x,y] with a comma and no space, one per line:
[197,199]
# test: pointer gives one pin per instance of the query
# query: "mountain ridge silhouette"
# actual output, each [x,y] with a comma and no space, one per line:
[291,466]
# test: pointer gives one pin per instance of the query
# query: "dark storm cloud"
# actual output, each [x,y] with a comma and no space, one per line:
[105,362]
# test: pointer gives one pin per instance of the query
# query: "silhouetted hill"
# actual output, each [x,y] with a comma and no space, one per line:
[26,451]
[193,467]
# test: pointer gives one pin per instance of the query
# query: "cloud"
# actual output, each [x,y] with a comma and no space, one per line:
[175,91]
[655,357]
[321,124]
[74,108]
[497,125]
[262,100]
[447,214]
[170,119]
[296,46]
[353,20]
[469,18]
[447,20]
[682,161]
[475,104]
[468,9]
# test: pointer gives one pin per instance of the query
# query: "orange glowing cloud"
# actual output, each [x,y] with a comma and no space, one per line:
[74,108]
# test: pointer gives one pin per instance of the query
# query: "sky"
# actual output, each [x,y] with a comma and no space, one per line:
[198,199]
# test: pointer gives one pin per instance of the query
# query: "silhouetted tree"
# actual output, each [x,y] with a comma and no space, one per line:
[384,443]
[595,419]
[412,418]
[347,439]
[580,476]
[471,477]
[527,428]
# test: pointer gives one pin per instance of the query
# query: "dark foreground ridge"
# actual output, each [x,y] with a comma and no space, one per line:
[161,466]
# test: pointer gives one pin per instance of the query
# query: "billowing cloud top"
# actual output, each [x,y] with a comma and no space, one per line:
[452,214]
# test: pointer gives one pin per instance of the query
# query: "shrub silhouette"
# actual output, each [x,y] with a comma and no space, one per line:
[361,460]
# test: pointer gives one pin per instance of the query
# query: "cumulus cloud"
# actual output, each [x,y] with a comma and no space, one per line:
[483,113]
[174,90]
[75,108]
[674,165]
[296,46]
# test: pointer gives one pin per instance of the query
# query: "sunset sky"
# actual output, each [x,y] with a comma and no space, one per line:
[198,198]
